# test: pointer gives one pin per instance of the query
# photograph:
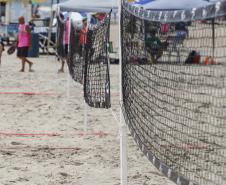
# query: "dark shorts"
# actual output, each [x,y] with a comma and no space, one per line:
[22,51]
[66,49]
[63,51]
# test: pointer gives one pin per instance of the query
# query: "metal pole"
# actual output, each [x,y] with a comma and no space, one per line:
[123,128]
[213,39]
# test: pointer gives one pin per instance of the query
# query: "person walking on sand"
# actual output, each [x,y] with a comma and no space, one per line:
[23,43]
[64,54]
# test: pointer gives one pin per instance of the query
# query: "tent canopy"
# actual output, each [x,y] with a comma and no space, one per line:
[172,4]
[88,6]
[142,2]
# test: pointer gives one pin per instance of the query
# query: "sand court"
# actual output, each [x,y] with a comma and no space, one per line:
[42,137]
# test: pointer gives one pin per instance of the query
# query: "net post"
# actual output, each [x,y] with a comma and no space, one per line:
[68,75]
[122,125]
[123,151]
[68,85]
[85,117]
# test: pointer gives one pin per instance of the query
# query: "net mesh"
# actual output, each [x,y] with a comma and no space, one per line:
[89,63]
[76,59]
[97,79]
[174,90]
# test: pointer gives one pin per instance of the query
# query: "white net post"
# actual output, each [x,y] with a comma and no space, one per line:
[68,74]
[122,126]
[85,117]
[123,151]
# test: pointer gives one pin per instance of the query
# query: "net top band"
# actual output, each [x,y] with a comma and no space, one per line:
[208,12]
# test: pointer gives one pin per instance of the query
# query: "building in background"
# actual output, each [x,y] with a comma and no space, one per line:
[10,10]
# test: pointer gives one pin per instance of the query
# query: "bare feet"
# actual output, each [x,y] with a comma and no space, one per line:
[60,71]
[30,66]
[31,70]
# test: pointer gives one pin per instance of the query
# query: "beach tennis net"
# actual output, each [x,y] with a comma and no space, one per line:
[174,90]
[76,56]
[89,64]
[96,75]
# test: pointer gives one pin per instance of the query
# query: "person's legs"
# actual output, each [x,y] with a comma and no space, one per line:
[63,58]
[61,70]
[25,54]
[22,53]
[30,64]
[22,64]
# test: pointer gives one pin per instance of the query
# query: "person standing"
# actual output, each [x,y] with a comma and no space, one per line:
[64,54]
[23,43]
[83,37]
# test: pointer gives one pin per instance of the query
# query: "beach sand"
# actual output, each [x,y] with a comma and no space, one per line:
[42,137]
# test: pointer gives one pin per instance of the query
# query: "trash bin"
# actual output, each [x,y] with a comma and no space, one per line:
[34,51]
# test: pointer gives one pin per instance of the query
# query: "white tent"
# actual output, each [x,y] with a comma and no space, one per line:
[88,5]
[174,4]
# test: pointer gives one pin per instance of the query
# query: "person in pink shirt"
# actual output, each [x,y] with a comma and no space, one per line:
[65,43]
[23,44]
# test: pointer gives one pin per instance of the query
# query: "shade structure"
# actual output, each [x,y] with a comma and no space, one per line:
[88,6]
[173,4]
[141,2]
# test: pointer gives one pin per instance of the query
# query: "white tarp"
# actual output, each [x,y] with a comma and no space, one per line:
[174,4]
[88,5]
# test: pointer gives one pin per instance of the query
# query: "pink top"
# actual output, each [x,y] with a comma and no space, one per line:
[66,32]
[164,28]
[23,36]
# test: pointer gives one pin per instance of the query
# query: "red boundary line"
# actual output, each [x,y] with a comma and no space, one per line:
[28,134]
[10,134]
[28,93]
[40,148]
[38,93]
